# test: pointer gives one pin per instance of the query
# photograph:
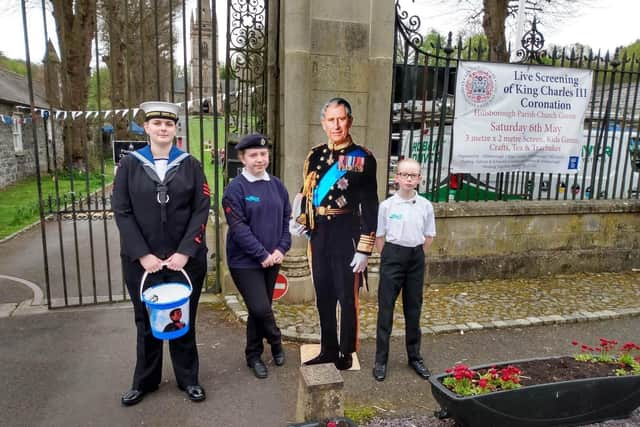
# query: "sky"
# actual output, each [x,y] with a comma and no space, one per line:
[599,24]
[602,25]
[12,34]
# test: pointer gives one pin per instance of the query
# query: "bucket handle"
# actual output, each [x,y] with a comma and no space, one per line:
[146,273]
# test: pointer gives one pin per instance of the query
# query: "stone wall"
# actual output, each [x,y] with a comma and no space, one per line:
[15,166]
[486,240]
[491,240]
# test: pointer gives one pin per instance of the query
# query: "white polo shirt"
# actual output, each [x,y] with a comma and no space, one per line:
[406,222]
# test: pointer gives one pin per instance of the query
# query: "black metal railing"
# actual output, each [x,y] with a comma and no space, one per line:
[423,110]
[147,49]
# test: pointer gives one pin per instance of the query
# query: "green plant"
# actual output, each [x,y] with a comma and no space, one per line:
[360,414]
[464,381]
[608,352]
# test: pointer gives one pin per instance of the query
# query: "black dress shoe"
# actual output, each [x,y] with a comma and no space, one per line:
[344,362]
[133,396]
[380,371]
[259,368]
[195,393]
[421,370]
[321,358]
[278,358]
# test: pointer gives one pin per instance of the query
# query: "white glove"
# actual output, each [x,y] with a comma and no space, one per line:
[359,262]
[296,228]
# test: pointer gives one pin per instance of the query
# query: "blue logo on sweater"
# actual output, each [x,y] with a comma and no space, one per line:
[395,216]
[252,199]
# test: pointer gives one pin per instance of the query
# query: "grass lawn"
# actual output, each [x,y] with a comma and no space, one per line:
[194,147]
[19,202]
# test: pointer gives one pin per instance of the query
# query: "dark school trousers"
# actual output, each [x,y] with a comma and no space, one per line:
[256,287]
[401,268]
[333,244]
[184,354]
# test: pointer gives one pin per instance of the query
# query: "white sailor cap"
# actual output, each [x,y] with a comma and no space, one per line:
[160,110]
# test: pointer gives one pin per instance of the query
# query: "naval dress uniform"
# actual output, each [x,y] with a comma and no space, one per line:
[404,223]
[161,207]
[339,210]
[258,212]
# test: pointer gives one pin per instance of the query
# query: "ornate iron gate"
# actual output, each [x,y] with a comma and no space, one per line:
[135,44]
[422,119]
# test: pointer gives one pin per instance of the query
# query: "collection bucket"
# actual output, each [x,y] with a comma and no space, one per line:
[168,307]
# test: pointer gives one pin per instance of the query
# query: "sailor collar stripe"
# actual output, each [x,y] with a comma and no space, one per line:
[147,163]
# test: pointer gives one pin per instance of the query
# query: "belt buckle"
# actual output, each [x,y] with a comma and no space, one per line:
[322,210]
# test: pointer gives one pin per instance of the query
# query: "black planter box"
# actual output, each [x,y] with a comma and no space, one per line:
[567,403]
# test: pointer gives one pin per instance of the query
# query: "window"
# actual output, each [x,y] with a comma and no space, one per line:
[16,123]
[204,54]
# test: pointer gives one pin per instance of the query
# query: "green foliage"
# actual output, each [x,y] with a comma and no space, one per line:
[476,47]
[360,414]
[464,381]
[630,52]
[224,71]
[105,89]
[608,351]
[14,65]
[194,148]
[19,202]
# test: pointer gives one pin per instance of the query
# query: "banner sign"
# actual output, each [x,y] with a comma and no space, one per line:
[511,117]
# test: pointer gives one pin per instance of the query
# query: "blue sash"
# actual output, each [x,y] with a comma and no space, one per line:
[331,177]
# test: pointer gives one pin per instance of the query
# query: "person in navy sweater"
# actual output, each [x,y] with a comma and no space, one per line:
[161,206]
[257,209]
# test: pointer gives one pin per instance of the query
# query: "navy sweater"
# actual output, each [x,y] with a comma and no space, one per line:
[258,217]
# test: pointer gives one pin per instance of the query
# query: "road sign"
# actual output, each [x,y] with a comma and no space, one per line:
[281,287]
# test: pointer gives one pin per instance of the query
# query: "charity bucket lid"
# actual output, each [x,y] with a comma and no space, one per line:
[166,293]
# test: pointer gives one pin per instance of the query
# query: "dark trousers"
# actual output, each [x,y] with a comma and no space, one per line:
[401,268]
[332,248]
[184,354]
[256,287]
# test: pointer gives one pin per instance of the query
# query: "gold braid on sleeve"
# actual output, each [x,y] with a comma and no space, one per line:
[307,192]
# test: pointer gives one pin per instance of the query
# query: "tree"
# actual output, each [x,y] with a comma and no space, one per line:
[75,26]
[493,20]
[495,14]
[137,56]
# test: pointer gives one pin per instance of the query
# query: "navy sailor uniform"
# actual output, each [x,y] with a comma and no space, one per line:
[161,217]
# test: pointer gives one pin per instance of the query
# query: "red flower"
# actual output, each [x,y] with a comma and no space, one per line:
[482,383]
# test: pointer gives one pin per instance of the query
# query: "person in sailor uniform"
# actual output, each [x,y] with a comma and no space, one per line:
[161,206]
[338,208]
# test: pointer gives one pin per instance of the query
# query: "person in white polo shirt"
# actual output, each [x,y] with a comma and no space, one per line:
[406,228]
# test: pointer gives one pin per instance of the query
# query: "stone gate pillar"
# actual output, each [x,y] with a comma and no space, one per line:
[331,48]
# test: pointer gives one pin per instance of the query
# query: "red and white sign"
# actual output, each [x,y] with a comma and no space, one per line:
[281,287]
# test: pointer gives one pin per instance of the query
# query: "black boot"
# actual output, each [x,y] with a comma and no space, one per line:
[322,358]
